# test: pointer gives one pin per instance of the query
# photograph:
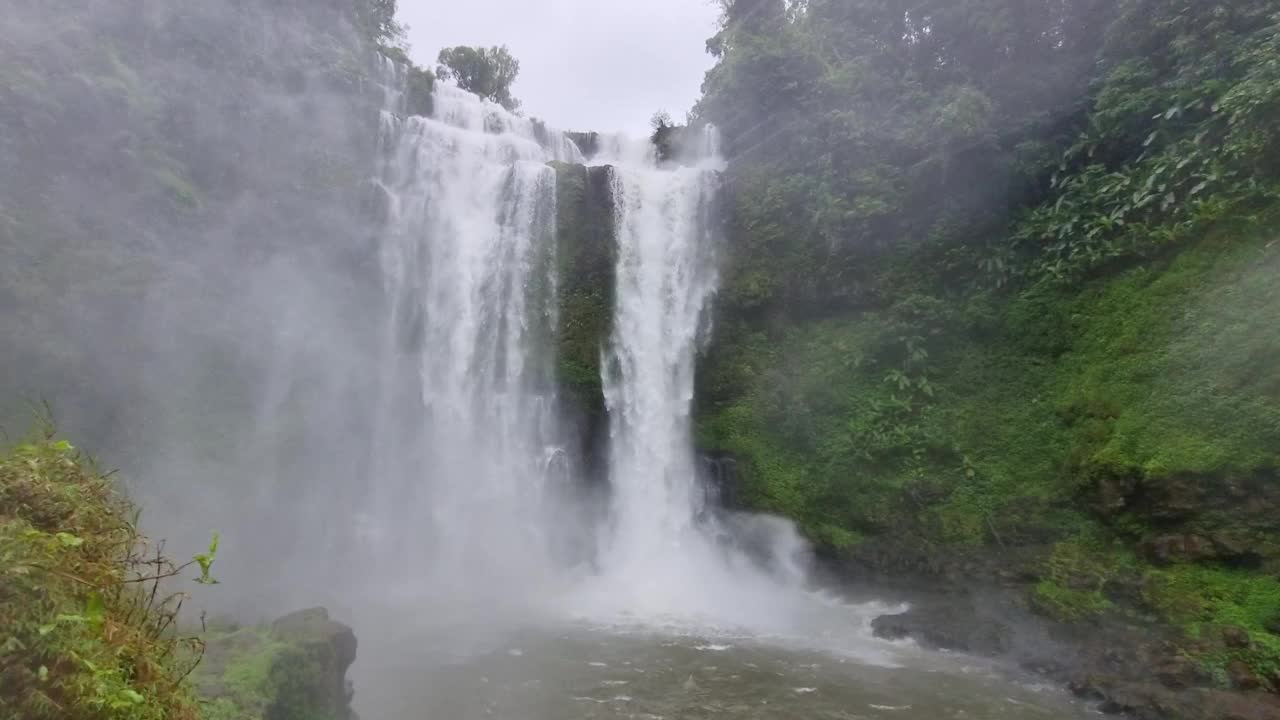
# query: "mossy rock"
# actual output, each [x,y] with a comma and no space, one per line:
[294,669]
[587,257]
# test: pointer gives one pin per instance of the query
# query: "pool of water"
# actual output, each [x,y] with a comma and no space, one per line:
[567,671]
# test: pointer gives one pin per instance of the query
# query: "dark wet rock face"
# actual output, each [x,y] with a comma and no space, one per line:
[1272,623]
[1242,676]
[1147,701]
[1179,548]
[1179,673]
[1126,666]
[946,627]
[1235,637]
[1198,518]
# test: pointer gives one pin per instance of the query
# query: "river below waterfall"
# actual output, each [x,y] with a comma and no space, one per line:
[584,671]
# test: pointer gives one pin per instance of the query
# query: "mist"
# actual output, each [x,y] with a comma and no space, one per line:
[918,368]
[201,323]
[301,360]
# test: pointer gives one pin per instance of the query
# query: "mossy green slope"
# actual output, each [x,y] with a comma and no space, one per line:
[1136,416]
[1166,370]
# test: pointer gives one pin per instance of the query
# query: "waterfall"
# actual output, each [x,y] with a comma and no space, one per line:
[665,555]
[471,490]
[666,274]
[458,493]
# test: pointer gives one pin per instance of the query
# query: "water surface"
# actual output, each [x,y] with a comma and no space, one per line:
[581,671]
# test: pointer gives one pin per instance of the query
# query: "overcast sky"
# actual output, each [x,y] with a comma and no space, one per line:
[584,64]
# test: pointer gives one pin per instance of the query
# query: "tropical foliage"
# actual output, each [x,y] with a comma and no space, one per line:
[996,284]
[487,72]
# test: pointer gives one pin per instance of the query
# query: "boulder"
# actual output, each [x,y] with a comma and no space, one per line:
[1178,673]
[1242,676]
[1235,637]
[1168,549]
[1272,624]
[946,627]
[294,668]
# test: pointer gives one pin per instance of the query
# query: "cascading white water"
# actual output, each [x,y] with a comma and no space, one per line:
[666,274]
[666,556]
[464,502]
[468,430]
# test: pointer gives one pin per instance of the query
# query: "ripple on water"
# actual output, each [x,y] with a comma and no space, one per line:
[586,672]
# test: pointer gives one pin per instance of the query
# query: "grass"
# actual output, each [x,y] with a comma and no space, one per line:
[85,639]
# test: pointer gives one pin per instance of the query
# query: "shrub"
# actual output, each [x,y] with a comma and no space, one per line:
[89,626]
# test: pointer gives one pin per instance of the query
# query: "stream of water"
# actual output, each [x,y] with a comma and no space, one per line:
[503,596]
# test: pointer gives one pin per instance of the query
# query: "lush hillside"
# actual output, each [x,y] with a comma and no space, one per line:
[1000,300]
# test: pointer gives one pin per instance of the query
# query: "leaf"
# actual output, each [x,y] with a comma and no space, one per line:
[43,674]
[205,560]
[46,629]
[132,696]
[69,540]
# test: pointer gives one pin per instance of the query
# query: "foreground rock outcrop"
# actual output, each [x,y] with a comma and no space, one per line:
[293,669]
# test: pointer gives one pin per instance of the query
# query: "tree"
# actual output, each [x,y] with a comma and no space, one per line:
[378,19]
[665,132]
[487,72]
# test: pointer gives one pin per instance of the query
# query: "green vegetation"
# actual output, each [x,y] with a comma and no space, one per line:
[1001,277]
[1077,577]
[293,670]
[92,617]
[377,21]
[487,72]
[421,83]
[1206,600]
[586,258]
[89,631]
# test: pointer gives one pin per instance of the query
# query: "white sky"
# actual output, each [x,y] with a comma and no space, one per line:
[599,65]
